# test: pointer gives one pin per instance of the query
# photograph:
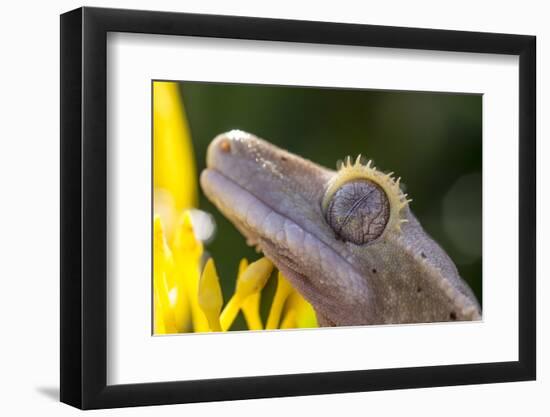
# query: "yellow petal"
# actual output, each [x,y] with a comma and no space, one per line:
[230,312]
[254,278]
[250,281]
[251,311]
[284,289]
[301,311]
[289,322]
[184,237]
[174,161]
[242,267]
[251,305]
[210,295]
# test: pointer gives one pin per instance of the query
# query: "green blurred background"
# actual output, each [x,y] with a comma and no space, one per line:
[432,140]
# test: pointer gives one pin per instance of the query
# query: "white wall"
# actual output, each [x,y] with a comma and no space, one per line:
[29,168]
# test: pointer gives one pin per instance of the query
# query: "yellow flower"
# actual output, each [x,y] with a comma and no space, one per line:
[186,300]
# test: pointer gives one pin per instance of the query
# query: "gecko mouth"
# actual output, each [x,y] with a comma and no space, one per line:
[298,253]
[269,231]
[261,225]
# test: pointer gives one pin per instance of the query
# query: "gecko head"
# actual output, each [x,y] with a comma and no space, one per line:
[334,234]
[274,198]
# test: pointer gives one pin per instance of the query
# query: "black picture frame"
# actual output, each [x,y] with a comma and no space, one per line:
[84,207]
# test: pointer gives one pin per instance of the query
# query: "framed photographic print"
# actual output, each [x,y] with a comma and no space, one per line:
[258,207]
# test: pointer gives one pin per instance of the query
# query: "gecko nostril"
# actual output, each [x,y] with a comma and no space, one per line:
[374,270]
[225,146]
[452,316]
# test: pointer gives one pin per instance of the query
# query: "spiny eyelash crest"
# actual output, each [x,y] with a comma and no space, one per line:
[358,170]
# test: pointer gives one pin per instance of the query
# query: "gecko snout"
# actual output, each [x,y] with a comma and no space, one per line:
[226,146]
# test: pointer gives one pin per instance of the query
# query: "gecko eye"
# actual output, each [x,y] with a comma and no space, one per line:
[361,203]
[358,211]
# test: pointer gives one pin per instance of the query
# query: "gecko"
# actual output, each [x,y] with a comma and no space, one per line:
[346,239]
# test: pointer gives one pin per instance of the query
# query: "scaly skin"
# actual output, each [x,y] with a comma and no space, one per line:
[275,198]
